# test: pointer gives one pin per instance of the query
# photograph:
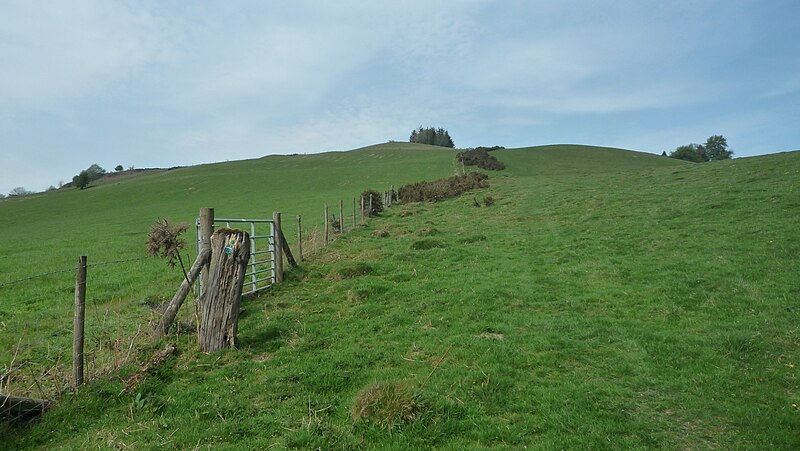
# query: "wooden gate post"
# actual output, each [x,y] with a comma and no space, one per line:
[206,229]
[276,220]
[299,240]
[341,216]
[325,233]
[219,308]
[78,322]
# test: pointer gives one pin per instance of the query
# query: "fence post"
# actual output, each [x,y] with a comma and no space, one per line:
[220,307]
[78,322]
[299,240]
[362,209]
[325,233]
[206,229]
[354,212]
[341,216]
[276,220]
[370,206]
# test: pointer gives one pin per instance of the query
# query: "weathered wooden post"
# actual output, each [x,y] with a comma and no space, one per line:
[206,229]
[369,213]
[276,221]
[362,209]
[325,233]
[392,195]
[221,303]
[341,216]
[79,322]
[299,240]
[354,212]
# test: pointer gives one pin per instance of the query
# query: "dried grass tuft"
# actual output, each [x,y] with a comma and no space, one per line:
[386,404]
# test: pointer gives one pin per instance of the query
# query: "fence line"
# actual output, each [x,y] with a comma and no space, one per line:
[59,271]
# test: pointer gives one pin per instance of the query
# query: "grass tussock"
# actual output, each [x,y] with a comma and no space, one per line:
[425,244]
[442,188]
[352,270]
[385,404]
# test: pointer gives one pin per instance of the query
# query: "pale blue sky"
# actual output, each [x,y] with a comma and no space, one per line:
[155,84]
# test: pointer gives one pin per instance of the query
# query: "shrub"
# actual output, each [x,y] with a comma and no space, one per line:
[442,188]
[377,202]
[480,157]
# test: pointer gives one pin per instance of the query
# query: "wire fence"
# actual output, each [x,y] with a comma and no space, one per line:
[72,269]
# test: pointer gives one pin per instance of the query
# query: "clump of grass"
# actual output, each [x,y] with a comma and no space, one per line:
[428,231]
[488,201]
[386,404]
[380,234]
[352,270]
[426,244]
[473,239]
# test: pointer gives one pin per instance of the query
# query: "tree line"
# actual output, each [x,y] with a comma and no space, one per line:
[715,148]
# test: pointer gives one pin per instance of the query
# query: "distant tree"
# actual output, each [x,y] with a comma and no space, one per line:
[119,168]
[690,152]
[2,196]
[717,148]
[88,175]
[51,188]
[82,180]
[432,136]
[19,191]
[664,153]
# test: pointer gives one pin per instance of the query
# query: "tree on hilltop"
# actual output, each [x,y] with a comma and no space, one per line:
[88,175]
[432,136]
[715,148]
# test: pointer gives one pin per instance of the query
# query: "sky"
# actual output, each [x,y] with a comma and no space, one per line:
[168,83]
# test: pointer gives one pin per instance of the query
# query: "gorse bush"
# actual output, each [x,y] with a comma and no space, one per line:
[442,188]
[377,202]
[480,157]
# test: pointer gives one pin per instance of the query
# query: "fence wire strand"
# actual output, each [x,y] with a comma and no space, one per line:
[50,273]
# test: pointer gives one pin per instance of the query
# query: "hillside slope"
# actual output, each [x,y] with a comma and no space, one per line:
[631,301]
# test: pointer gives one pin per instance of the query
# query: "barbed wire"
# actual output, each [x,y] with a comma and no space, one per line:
[50,273]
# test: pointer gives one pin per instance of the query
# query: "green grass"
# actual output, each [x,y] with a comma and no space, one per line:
[608,299]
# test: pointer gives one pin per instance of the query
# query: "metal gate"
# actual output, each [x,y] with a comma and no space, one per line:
[262,259]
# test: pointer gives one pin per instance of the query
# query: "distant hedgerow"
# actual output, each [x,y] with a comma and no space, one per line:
[481,158]
[442,188]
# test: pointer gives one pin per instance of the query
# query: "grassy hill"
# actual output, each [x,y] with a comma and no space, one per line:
[608,298]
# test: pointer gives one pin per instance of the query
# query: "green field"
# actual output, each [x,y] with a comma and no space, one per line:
[608,299]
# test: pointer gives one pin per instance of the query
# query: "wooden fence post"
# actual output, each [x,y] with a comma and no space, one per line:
[369,213]
[354,212]
[362,209]
[325,233]
[299,240]
[276,220]
[220,307]
[78,322]
[206,229]
[341,216]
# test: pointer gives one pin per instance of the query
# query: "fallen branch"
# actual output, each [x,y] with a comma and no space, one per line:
[175,304]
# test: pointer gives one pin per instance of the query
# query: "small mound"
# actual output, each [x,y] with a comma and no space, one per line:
[427,244]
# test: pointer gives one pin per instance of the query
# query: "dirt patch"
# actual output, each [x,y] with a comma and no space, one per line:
[380,234]
[491,336]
